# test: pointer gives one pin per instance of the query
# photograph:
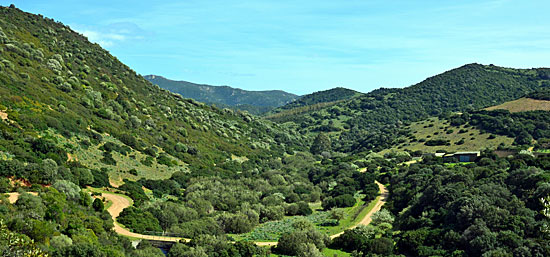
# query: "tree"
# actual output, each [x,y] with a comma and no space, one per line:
[61,241]
[14,244]
[31,206]
[291,243]
[150,252]
[337,214]
[320,144]
[98,205]
[309,250]
[49,169]
[523,138]
[78,250]
[71,190]
[382,216]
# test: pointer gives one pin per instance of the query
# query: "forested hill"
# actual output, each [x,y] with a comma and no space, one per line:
[373,119]
[68,95]
[255,102]
[326,96]
[75,120]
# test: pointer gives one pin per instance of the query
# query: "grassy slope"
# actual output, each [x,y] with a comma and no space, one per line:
[434,128]
[465,88]
[522,105]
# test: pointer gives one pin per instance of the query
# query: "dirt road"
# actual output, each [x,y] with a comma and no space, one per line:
[365,221]
[119,203]
[377,206]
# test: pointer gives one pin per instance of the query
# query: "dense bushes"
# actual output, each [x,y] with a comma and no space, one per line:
[296,242]
[340,201]
[523,126]
[485,208]
[139,221]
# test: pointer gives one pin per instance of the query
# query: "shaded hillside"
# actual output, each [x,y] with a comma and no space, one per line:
[374,120]
[542,94]
[253,101]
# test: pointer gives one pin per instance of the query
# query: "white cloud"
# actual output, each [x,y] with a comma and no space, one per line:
[112,34]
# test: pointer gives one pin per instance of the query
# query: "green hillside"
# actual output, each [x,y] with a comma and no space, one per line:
[72,116]
[327,96]
[373,120]
[434,134]
[255,102]
[542,94]
[79,130]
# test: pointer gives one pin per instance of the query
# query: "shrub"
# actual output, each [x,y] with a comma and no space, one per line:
[65,87]
[54,65]
[70,189]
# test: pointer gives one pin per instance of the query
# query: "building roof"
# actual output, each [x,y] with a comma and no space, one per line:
[474,152]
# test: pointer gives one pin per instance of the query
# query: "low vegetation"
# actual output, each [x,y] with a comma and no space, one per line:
[75,123]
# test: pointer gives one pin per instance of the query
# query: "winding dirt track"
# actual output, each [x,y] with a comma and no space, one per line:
[119,203]
[365,221]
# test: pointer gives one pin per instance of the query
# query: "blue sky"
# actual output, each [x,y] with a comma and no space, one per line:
[307,46]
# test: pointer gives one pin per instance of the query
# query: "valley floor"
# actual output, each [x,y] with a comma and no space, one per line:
[119,202]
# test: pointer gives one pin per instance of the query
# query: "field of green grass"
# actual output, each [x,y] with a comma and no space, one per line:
[434,128]
[272,230]
[335,253]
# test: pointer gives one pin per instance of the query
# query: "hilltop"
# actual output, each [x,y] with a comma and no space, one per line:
[374,120]
[325,96]
[255,102]
[311,102]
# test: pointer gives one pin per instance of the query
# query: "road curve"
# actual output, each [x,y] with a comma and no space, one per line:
[120,202]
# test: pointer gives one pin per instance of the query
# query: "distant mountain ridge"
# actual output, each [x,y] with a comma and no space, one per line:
[255,102]
[325,96]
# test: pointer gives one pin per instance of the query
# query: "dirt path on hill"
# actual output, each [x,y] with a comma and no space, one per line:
[12,197]
[377,206]
[3,115]
[120,202]
[71,158]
